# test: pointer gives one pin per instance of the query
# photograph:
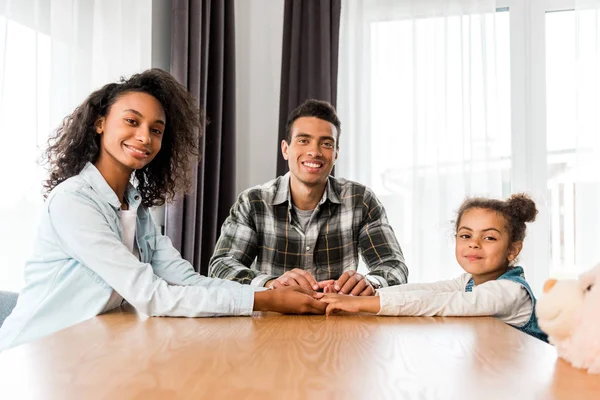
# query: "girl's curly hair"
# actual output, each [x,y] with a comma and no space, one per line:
[516,210]
[76,141]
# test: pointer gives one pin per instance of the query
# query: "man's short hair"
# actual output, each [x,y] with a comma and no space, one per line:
[314,108]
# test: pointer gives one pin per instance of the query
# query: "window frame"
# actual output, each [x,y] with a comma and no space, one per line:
[529,155]
[528,116]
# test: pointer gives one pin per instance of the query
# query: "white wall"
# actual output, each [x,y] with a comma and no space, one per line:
[259,36]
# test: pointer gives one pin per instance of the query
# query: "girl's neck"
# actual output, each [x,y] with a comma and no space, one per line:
[478,279]
[116,175]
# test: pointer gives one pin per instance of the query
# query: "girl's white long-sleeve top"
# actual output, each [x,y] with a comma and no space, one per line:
[504,299]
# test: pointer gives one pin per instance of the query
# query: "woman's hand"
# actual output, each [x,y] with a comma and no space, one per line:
[289,300]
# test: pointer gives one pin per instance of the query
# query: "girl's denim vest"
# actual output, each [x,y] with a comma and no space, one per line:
[516,275]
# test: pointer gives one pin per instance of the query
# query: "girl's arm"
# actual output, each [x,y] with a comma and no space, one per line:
[451,285]
[371,304]
[504,299]
[352,304]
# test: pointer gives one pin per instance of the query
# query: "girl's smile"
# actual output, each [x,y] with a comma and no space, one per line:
[483,244]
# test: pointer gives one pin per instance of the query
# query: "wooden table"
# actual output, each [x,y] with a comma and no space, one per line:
[125,355]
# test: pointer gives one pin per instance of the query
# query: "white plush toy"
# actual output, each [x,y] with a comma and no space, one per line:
[569,312]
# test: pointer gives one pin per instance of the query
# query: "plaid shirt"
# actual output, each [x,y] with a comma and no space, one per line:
[262,239]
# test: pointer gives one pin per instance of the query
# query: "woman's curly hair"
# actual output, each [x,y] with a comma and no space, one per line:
[76,141]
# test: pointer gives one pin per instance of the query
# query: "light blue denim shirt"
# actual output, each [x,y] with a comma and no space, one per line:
[78,259]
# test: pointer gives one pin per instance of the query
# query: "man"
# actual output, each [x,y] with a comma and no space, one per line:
[306,228]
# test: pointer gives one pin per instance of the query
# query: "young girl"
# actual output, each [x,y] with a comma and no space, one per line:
[97,244]
[489,237]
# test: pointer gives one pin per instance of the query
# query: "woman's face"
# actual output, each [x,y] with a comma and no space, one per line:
[131,133]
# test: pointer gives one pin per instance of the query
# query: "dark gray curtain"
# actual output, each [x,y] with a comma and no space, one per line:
[203,59]
[311,31]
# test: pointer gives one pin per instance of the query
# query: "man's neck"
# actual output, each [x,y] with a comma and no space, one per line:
[306,197]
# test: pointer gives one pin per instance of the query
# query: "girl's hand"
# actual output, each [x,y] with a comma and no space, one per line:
[352,304]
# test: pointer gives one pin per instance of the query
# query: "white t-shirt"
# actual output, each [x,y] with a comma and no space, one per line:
[504,299]
[304,217]
[128,221]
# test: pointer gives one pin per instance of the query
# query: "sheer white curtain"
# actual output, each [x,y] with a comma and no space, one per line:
[52,54]
[572,69]
[424,99]
[582,178]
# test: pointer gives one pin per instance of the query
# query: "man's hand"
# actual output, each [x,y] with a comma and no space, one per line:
[352,283]
[297,277]
[353,304]
[289,300]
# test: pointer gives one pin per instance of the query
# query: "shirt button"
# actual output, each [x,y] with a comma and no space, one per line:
[136,197]
[307,248]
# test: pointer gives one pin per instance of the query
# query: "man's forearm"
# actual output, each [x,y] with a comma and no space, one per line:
[228,268]
[390,275]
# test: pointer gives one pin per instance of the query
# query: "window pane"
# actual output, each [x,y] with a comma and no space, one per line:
[25,69]
[439,126]
[572,92]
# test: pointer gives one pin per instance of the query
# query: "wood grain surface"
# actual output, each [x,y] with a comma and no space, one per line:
[125,355]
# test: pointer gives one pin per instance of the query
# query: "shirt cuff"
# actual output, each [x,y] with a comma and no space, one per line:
[390,304]
[261,279]
[245,305]
[376,279]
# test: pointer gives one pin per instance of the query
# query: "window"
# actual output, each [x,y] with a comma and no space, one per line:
[572,130]
[448,122]
[24,118]
[52,55]
[490,99]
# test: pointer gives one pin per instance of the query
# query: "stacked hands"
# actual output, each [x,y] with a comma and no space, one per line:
[299,292]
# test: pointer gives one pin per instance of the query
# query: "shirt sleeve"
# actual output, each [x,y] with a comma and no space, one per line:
[237,247]
[504,299]
[378,245]
[451,285]
[168,264]
[85,235]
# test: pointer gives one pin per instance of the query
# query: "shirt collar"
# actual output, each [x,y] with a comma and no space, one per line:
[92,176]
[284,194]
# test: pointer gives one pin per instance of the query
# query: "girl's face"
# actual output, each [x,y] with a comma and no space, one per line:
[483,244]
[132,131]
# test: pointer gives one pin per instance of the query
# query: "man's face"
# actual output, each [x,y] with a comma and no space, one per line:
[312,150]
